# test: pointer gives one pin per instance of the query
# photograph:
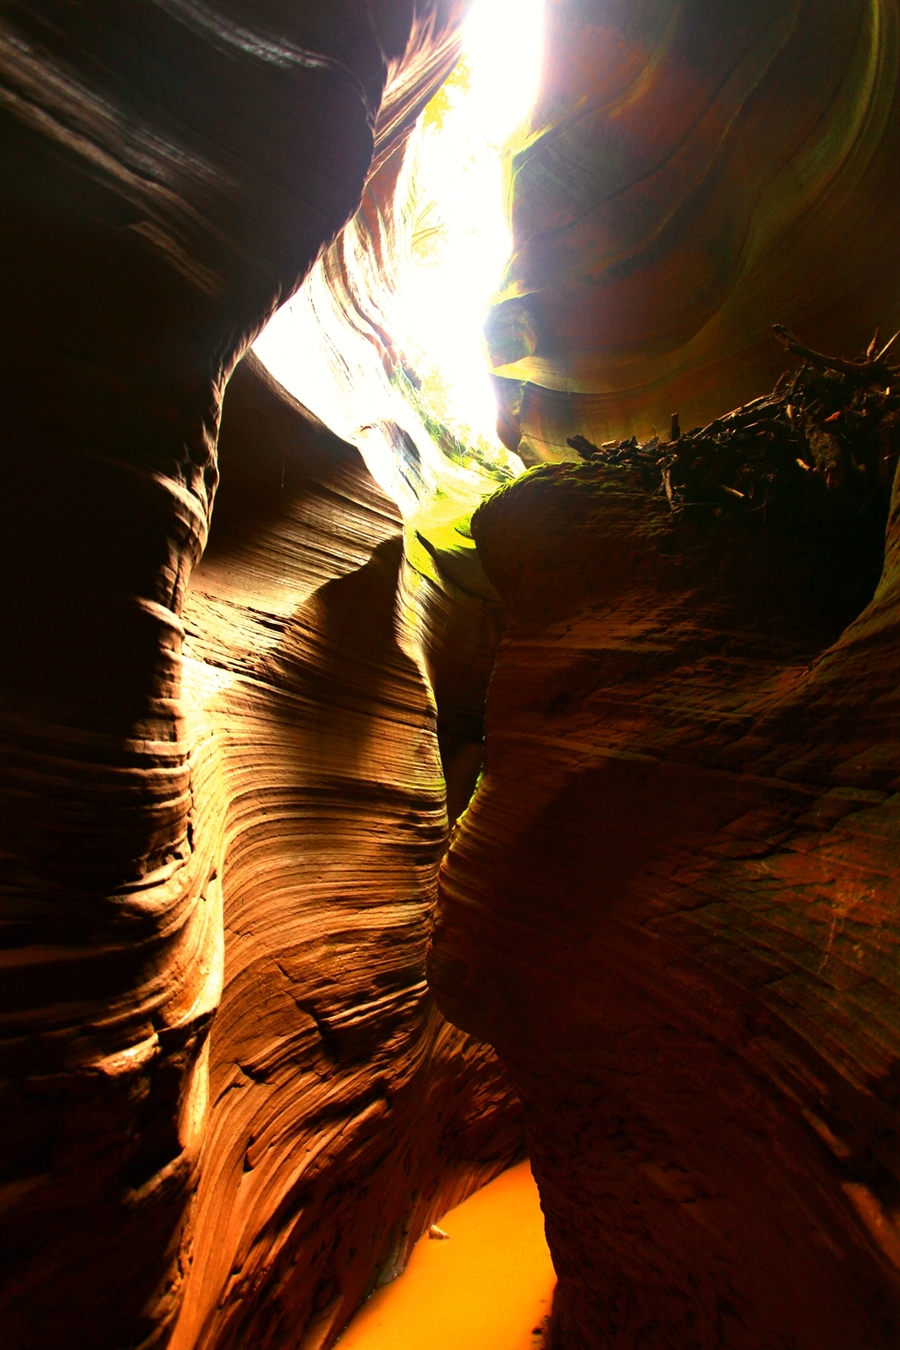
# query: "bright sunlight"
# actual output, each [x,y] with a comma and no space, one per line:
[443,296]
[461,239]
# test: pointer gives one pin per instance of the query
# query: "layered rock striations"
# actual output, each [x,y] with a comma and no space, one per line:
[339,345]
[671,906]
[228,1103]
[692,174]
[171,171]
[345,1114]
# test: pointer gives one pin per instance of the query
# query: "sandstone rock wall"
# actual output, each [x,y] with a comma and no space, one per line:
[227,1102]
[672,907]
[693,174]
[170,173]
[345,1114]
[671,903]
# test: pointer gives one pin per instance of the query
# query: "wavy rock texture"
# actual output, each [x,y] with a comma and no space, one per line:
[670,903]
[346,1115]
[693,174]
[672,907]
[170,172]
[338,347]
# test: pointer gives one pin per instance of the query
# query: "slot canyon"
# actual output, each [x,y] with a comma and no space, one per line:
[376,813]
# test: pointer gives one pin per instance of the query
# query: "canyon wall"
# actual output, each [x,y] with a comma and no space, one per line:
[345,1114]
[671,904]
[672,907]
[232,743]
[692,174]
[171,172]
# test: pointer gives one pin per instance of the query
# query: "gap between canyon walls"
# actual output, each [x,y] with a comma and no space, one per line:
[174,823]
[338,655]
[228,1101]
[345,1115]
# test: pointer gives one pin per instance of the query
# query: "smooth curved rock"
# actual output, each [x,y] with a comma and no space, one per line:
[170,172]
[671,906]
[693,174]
[345,1114]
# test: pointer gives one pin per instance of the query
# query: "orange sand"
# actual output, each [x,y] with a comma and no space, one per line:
[485,1289]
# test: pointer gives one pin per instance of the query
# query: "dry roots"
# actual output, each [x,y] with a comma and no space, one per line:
[820,449]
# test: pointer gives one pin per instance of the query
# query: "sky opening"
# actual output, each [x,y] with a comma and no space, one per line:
[460,239]
[462,245]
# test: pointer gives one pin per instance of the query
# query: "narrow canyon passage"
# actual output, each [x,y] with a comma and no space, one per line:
[449,650]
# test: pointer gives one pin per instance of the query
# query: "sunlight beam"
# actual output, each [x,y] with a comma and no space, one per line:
[444,294]
[460,238]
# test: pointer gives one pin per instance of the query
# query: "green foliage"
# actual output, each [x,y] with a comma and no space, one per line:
[429,398]
[456,86]
[427,231]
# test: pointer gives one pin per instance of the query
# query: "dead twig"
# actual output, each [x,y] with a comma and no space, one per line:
[823,444]
[872,367]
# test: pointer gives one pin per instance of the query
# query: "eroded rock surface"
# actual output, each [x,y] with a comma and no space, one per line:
[692,174]
[345,1113]
[170,173]
[671,906]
